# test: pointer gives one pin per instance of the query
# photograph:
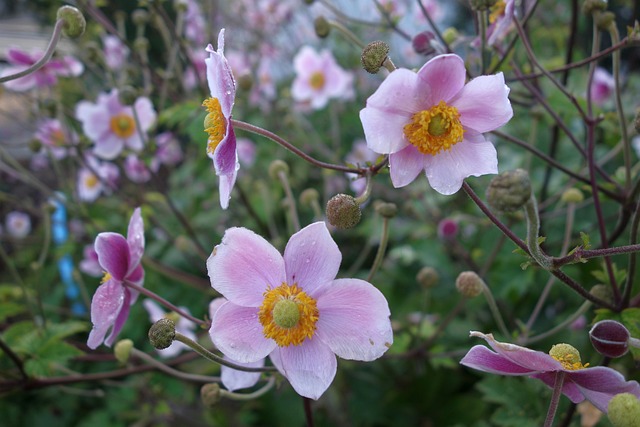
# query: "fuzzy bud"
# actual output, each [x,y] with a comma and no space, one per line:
[567,355]
[210,394]
[276,167]
[572,195]
[428,277]
[624,410]
[590,6]
[605,20]
[509,191]
[469,284]
[74,22]
[603,292]
[610,338]
[322,27]
[162,333]
[386,210]
[309,196]
[343,211]
[374,55]
[122,350]
[140,16]
[127,95]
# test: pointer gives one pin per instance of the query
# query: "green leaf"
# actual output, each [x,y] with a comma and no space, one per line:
[8,309]
[585,240]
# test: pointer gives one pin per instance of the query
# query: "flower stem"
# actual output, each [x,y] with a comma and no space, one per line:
[533,227]
[168,370]
[381,249]
[555,399]
[495,311]
[249,396]
[291,201]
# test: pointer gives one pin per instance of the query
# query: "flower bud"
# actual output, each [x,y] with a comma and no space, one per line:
[122,350]
[428,277]
[624,410]
[74,22]
[447,229]
[276,167]
[610,338]
[127,95]
[162,333]
[590,6]
[322,27]
[422,43]
[469,284]
[309,196]
[509,191]
[572,195]
[605,20]
[567,355]
[210,394]
[386,210]
[343,211]
[603,292]
[140,16]
[374,55]
[35,145]
[450,35]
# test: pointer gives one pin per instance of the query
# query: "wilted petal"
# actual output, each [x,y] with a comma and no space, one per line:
[310,367]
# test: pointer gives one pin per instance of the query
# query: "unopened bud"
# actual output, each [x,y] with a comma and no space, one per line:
[374,55]
[602,292]
[210,394]
[140,16]
[343,211]
[276,167]
[122,350]
[74,22]
[624,410]
[605,20]
[428,277]
[572,195]
[141,44]
[450,35]
[610,338]
[322,27]
[469,284]
[509,191]
[162,333]
[386,210]
[447,229]
[127,95]
[590,6]
[245,82]
[422,43]
[309,196]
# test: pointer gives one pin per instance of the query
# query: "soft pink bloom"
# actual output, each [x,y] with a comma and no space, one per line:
[136,170]
[112,126]
[20,60]
[89,263]
[168,151]
[54,138]
[98,178]
[115,52]
[602,86]
[598,384]
[432,121]
[221,145]
[120,258]
[319,78]
[197,71]
[195,26]
[17,224]
[268,15]
[500,21]
[184,326]
[432,7]
[344,317]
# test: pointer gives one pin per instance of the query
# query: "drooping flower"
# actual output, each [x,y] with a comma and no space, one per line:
[602,86]
[319,78]
[292,308]
[597,385]
[120,259]
[54,138]
[18,224]
[112,126]
[221,144]
[184,326]
[433,121]
[20,60]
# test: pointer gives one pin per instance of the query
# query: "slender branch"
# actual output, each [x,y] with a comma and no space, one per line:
[173,372]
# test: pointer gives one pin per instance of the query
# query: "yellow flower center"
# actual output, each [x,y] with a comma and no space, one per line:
[288,315]
[316,81]
[91,181]
[57,138]
[435,129]
[568,357]
[122,125]
[497,10]
[106,277]
[215,123]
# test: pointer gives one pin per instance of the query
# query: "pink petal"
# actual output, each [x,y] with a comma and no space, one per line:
[440,79]
[222,85]
[21,84]
[145,112]
[310,367]
[311,257]
[224,188]
[135,238]
[484,103]
[306,62]
[354,320]
[405,165]
[243,266]
[237,332]
[113,254]
[105,307]
[20,57]
[225,157]
[108,147]
[599,384]
[474,156]
[121,318]
[569,389]
[485,360]
[525,357]
[233,379]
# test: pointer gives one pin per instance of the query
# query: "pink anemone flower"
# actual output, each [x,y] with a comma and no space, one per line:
[221,144]
[292,309]
[597,385]
[433,121]
[120,258]
[20,60]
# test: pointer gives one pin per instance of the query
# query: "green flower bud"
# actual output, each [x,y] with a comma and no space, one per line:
[469,284]
[122,350]
[605,20]
[374,55]
[509,191]
[210,394]
[127,95]
[276,167]
[74,22]
[450,35]
[572,195]
[308,1]
[162,333]
[343,211]
[590,6]
[387,210]
[322,27]
[309,196]
[428,277]
[603,292]
[140,16]
[624,410]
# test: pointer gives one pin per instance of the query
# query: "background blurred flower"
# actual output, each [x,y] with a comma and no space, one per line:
[20,60]
[54,138]
[89,263]
[96,178]
[135,169]
[168,151]
[17,224]
[602,86]
[115,52]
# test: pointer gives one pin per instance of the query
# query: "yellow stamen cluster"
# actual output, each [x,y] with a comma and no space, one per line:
[435,129]
[106,277]
[316,81]
[57,137]
[568,357]
[288,315]
[122,125]
[497,10]
[215,124]
[91,180]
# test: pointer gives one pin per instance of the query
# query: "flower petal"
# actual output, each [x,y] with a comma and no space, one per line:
[569,389]
[354,320]
[484,103]
[599,384]
[237,332]
[310,367]
[243,266]
[222,85]
[440,79]
[113,254]
[233,379]
[106,304]
[135,238]
[108,146]
[522,356]
[485,360]
[405,165]
[121,318]
[311,257]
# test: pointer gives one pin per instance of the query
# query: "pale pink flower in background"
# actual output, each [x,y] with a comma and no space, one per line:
[324,317]
[432,121]
[136,170]
[448,229]
[54,138]
[359,156]
[433,8]
[184,326]
[319,78]
[500,21]
[238,62]
[197,71]
[112,126]
[221,144]
[268,15]
[96,179]
[116,53]
[20,60]
[17,224]
[246,151]
[120,258]
[195,26]
[168,151]
[602,86]
[89,263]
